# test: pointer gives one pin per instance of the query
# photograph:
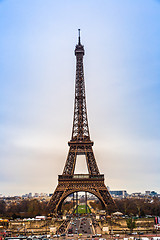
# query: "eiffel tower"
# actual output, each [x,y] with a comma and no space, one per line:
[80,144]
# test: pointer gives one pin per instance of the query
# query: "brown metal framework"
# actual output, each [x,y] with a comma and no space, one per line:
[80,144]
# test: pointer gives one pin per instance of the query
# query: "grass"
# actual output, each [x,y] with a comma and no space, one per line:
[82,209]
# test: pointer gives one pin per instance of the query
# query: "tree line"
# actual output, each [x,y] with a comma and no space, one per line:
[23,209]
[139,207]
[32,208]
[132,207]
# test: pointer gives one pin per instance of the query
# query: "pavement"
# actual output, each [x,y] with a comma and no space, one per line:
[80,226]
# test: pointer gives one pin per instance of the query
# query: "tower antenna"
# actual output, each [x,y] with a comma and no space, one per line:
[79,38]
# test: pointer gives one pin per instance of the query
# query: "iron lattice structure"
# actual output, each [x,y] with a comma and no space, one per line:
[80,144]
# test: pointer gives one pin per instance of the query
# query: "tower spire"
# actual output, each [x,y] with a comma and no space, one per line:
[80,143]
[79,37]
[80,129]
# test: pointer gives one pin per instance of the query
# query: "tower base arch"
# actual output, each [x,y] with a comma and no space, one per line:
[81,183]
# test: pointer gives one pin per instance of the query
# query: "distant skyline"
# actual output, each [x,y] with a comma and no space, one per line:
[121,39]
[41,194]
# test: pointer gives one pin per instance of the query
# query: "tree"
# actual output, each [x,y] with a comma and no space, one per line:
[131,224]
[2,208]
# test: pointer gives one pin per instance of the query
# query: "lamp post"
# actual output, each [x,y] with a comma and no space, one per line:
[46,226]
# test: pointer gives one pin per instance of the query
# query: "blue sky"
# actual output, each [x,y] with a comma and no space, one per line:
[37,74]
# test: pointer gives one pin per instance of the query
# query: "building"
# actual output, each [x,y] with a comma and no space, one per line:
[119,193]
